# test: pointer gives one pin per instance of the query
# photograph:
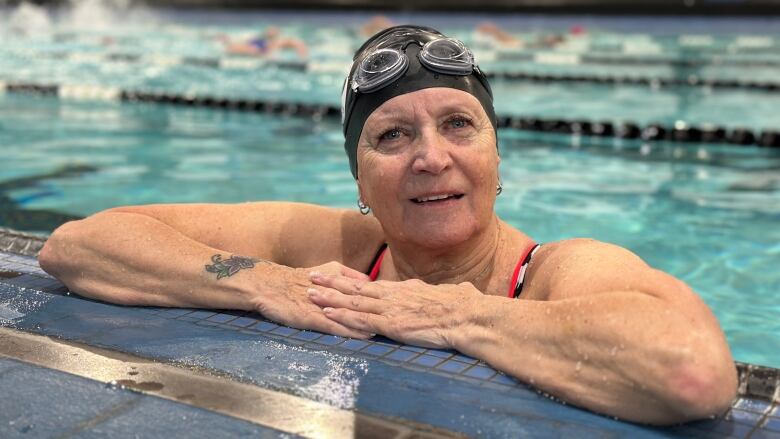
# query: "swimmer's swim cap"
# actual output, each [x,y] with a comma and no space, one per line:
[400,60]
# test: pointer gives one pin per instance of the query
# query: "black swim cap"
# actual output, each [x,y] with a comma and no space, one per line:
[356,106]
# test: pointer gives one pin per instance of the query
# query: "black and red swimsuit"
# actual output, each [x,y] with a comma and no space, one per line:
[515,285]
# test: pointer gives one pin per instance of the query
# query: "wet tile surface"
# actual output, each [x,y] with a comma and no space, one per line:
[752,405]
[437,387]
[43,403]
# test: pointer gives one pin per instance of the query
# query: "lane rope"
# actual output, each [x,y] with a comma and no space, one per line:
[341,68]
[679,132]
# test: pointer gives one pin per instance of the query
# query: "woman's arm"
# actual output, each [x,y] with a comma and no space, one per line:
[614,335]
[207,256]
[621,353]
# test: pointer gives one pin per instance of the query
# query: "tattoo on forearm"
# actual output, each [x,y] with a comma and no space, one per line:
[231,265]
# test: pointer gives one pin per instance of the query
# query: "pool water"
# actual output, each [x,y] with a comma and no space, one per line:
[707,214]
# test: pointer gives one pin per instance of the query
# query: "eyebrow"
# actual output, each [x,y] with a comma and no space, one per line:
[394,115]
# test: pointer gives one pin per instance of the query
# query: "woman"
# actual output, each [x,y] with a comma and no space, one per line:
[586,321]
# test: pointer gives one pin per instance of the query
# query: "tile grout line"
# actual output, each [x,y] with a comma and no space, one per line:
[761,421]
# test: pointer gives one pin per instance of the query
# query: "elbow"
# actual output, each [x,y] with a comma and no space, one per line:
[46,258]
[53,256]
[700,388]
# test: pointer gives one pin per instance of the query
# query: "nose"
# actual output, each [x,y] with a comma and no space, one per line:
[432,155]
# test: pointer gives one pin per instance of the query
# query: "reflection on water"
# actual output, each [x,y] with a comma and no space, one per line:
[15,216]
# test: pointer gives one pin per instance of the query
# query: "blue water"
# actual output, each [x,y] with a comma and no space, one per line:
[707,214]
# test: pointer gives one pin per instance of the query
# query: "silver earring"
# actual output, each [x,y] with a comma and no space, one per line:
[499,188]
[363,208]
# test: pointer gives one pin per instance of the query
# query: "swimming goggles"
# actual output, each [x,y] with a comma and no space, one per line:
[384,65]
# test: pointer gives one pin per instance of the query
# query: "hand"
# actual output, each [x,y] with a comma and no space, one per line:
[284,299]
[411,311]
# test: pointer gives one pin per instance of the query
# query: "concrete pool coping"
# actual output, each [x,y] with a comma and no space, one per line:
[219,341]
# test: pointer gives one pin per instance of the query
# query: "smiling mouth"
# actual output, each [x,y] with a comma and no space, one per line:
[437,198]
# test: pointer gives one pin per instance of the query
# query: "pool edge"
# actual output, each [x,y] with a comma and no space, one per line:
[755,381]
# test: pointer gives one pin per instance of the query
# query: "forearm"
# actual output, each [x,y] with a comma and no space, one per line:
[130,258]
[625,354]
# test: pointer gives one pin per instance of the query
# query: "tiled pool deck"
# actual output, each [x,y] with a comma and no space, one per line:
[378,377]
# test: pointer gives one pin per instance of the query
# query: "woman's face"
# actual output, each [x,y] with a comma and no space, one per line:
[428,167]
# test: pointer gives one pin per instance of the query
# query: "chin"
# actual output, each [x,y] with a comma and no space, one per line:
[441,234]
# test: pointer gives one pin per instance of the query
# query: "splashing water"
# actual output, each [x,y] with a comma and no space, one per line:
[8,314]
[105,15]
[28,20]
[339,387]
[299,367]
[336,384]
[17,302]
[81,16]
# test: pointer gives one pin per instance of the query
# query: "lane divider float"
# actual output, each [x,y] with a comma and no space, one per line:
[341,68]
[691,81]
[679,132]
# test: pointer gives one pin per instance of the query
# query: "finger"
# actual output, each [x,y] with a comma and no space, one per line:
[346,285]
[322,323]
[360,321]
[354,274]
[310,316]
[327,297]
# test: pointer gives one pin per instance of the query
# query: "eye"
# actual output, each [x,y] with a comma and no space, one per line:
[458,122]
[392,134]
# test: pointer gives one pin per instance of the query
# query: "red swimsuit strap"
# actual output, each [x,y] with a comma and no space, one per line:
[375,269]
[518,267]
[374,273]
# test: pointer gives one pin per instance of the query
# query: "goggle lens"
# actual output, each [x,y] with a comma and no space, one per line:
[444,55]
[448,56]
[378,69]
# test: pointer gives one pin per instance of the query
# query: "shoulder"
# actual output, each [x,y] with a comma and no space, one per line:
[586,250]
[310,235]
[577,267]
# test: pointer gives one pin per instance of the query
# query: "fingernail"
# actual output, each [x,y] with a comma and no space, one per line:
[371,335]
[327,310]
[312,292]
[315,275]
